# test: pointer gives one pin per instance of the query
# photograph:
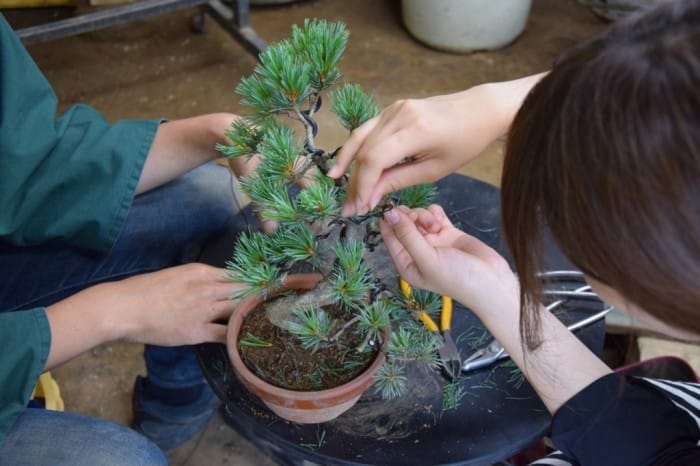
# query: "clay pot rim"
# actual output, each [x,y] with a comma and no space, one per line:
[294,281]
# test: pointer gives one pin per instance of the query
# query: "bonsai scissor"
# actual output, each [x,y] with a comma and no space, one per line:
[450,358]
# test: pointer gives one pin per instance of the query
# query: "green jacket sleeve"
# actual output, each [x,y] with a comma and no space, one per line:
[25,339]
[69,179]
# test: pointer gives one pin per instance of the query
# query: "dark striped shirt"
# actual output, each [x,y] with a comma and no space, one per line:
[623,420]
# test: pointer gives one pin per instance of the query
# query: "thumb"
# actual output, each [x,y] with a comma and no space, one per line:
[414,243]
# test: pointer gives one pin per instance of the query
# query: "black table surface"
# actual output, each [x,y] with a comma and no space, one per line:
[497,416]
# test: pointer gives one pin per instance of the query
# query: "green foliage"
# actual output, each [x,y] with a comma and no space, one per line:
[252,249]
[453,392]
[401,344]
[374,319]
[390,380]
[253,341]
[296,242]
[279,154]
[319,200]
[350,287]
[412,342]
[421,195]
[251,264]
[286,74]
[353,106]
[314,327]
[257,95]
[244,137]
[271,197]
[422,300]
[425,349]
[322,45]
[289,186]
[350,255]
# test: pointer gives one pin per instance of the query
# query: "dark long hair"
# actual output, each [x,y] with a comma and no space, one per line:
[605,153]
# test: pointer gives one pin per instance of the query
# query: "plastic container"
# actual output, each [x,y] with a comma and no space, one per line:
[47,393]
[465,25]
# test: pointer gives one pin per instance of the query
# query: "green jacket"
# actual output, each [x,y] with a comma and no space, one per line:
[65,180]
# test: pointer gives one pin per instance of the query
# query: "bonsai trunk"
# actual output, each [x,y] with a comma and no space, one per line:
[281,310]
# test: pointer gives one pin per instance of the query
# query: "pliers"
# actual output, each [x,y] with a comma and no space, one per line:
[494,352]
[450,358]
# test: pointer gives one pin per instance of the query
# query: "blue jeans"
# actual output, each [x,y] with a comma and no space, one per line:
[166,226]
[41,437]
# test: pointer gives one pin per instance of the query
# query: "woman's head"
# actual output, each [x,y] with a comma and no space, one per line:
[605,152]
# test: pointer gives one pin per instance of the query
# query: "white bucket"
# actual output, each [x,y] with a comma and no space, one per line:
[465,25]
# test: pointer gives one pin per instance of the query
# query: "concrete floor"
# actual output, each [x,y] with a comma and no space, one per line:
[157,67]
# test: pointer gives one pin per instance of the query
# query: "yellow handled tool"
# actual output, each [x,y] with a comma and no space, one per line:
[449,353]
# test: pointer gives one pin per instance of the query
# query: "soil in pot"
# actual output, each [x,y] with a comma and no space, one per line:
[277,356]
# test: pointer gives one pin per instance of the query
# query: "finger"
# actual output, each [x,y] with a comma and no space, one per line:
[365,135]
[310,174]
[415,244]
[351,146]
[429,221]
[475,247]
[225,287]
[440,214]
[426,221]
[244,166]
[268,226]
[425,167]
[215,333]
[412,213]
[401,259]
[222,310]
[379,161]
[417,171]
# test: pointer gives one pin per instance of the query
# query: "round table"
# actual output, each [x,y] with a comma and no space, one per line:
[498,413]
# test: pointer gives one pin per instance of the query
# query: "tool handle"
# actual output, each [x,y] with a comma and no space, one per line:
[405,288]
[428,321]
[446,313]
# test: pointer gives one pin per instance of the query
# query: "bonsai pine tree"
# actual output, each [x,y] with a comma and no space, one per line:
[285,95]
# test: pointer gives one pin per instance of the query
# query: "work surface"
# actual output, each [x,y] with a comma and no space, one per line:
[498,415]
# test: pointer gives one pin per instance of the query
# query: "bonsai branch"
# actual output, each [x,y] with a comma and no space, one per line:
[342,329]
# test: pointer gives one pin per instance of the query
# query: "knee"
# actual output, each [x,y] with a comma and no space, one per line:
[66,439]
[199,205]
[214,193]
[124,447]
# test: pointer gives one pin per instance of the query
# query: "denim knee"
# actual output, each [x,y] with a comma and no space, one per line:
[41,436]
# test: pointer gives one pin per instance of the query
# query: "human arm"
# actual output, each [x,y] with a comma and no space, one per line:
[184,144]
[428,250]
[72,178]
[182,305]
[422,140]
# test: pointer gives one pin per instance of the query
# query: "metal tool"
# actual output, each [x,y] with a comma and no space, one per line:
[450,358]
[494,351]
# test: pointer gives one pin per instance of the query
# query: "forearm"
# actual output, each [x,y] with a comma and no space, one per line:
[183,305]
[561,367]
[83,321]
[505,99]
[181,145]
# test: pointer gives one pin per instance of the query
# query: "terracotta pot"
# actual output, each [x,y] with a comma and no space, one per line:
[304,407]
